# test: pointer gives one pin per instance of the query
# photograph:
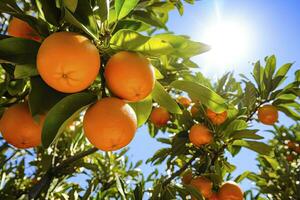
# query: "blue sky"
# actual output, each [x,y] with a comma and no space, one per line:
[273,27]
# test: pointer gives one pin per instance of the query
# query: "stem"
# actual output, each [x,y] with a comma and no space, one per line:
[249,118]
[178,172]
[46,180]
[103,91]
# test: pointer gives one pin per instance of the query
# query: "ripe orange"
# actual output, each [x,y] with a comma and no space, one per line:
[159,116]
[230,191]
[18,127]
[110,124]
[200,135]
[130,76]
[297,149]
[216,118]
[291,145]
[187,177]
[19,28]
[268,114]
[204,185]
[185,102]
[194,111]
[68,62]
[214,196]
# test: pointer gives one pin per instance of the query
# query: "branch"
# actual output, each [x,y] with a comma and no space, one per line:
[182,169]
[46,180]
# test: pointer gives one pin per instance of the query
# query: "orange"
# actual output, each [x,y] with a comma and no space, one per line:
[19,28]
[185,102]
[110,124]
[214,196]
[68,62]
[216,118]
[129,76]
[268,114]
[297,149]
[291,145]
[159,116]
[187,177]
[18,127]
[194,111]
[230,191]
[204,185]
[200,135]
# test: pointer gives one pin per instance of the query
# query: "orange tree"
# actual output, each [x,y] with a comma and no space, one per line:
[91,72]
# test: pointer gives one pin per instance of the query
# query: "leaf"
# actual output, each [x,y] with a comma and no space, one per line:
[164,99]
[83,18]
[270,67]
[142,109]
[62,113]
[272,161]
[202,93]
[289,112]
[120,186]
[258,147]
[245,134]
[193,192]
[235,125]
[25,71]
[19,50]
[179,7]
[103,11]
[242,176]
[49,10]
[42,97]
[124,7]
[71,4]
[148,18]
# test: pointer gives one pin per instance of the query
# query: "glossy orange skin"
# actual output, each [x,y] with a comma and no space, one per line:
[204,185]
[194,111]
[184,101]
[216,118]
[200,135]
[110,124]
[268,114]
[214,196]
[68,62]
[21,29]
[159,116]
[18,127]
[129,76]
[187,177]
[230,191]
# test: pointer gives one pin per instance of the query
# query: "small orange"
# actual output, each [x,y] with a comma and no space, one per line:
[194,111]
[159,116]
[291,144]
[230,191]
[268,114]
[216,118]
[290,157]
[68,62]
[204,185]
[130,76]
[20,28]
[187,177]
[200,135]
[297,149]
[184,101]
[110,124]
[19,128]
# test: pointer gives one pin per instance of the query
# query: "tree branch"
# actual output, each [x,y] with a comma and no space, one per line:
[46,180]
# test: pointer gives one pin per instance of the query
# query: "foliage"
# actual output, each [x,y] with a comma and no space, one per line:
[52,170]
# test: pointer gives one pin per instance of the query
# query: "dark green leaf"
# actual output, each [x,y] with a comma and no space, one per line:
[49,10]
[25,71]
[62,113]
[245,134]
[142,109]
[258,147]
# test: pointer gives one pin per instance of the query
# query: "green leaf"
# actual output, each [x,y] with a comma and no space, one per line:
[289,112]
[71,4]
[202,93]
[142,109]
[164,99]
[245,134]
[270,67]
[49,10]
[120,186]
[62,113]
[179,7]
[83,19]
[25,71]
[258,147]
[193,192]
[283,70]
[103,11]
[148,18]
[273,162]
[235,125]
[42,97]
[242,176]
[19,50]
[124,7]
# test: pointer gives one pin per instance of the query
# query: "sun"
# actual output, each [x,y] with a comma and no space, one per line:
[230,42]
